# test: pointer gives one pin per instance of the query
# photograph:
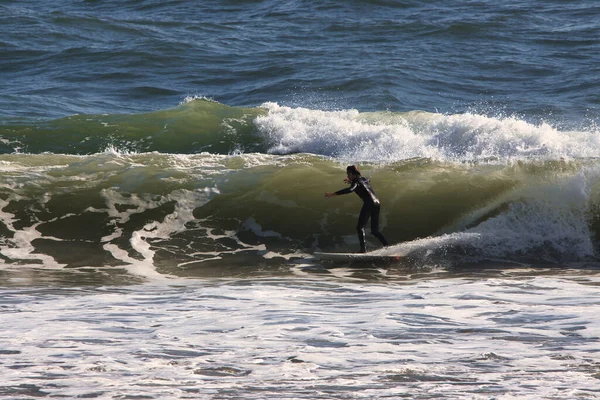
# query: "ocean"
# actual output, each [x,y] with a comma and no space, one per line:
[163,166]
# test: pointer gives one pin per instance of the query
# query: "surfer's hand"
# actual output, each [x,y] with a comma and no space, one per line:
[329,194]
[347,180]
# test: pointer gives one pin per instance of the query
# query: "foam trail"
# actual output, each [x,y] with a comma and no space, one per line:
[21,247]
[185,202]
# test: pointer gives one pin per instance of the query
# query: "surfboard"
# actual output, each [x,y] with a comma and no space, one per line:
[354,257]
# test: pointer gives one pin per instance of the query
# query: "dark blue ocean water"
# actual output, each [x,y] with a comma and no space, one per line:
[538,60]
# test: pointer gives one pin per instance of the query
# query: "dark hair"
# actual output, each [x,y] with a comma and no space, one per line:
[352,169]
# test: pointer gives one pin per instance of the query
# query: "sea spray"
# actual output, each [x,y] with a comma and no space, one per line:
[389,137]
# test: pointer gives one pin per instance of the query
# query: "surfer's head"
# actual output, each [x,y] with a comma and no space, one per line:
[353,172]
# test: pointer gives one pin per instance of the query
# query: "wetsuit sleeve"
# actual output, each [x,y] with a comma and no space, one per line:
[350,189]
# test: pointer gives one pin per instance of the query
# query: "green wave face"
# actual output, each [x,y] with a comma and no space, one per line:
[196,126]
[179,212]
[207,184]
[206,126]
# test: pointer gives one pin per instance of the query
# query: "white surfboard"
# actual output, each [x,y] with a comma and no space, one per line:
[350,257]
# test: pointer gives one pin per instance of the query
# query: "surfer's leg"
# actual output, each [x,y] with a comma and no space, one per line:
[375,225]
[363,218]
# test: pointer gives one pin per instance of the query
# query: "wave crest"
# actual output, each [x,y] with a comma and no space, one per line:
[388,137]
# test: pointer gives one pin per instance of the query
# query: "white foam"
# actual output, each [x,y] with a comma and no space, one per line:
[251,225]
[191,98]
[317,337]
[391,137]
[20,246]
[549,220]
[185,201]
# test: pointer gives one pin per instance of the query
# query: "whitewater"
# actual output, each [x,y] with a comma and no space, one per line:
[190,273]
[163,167]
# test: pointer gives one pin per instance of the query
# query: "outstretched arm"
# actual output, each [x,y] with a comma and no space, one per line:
[343,191]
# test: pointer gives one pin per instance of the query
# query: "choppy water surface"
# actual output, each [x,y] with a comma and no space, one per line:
[337,333]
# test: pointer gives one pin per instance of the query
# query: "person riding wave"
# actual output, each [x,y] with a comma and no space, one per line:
[371,205]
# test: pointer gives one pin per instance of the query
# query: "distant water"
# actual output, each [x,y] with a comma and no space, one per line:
[91,57]
[162,170]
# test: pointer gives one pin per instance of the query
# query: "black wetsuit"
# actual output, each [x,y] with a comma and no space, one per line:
[370,209]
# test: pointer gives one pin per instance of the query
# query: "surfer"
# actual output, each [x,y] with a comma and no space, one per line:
[371,205]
